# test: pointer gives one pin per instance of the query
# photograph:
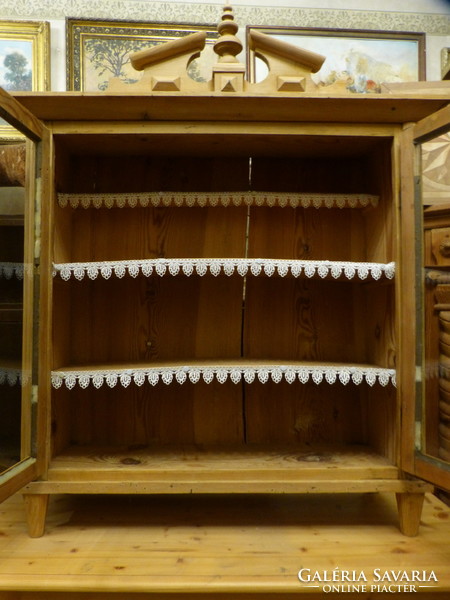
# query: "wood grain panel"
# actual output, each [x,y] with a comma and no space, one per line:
[301,319]
[157,173]
[329,174]
[177,414]
[162,232]
[20,117]
[307,233]
[379,323]
[303,413]
[145,319]
[380,223]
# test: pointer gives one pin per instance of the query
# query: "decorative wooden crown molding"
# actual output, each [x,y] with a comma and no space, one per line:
[165,66]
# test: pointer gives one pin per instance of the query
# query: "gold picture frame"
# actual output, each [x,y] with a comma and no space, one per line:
[445,63]
[30,41]
[90,43]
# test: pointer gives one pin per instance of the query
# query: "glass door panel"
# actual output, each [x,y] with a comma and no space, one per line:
[433,288]
[20,186]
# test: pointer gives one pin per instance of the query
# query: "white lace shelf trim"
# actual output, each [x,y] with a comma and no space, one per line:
[8,270]
[194,374]
[215,266]
[282,199]
[10,376]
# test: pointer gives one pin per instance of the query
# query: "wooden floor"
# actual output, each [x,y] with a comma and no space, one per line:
[186,547]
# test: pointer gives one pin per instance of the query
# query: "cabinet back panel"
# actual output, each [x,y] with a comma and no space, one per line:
[147,173]
[162,232]
[301,319]
[304,413]
[307,234]
[343,175]
[215,413]
[155,318]
[163,414]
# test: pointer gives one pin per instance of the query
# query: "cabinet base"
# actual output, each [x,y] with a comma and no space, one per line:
[409,494]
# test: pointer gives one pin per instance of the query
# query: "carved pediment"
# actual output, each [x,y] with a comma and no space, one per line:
[165,66]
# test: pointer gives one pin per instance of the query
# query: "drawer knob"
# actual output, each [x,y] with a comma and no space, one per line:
[444,247]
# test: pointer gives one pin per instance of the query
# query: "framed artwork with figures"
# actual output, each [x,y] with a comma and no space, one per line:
[357,61]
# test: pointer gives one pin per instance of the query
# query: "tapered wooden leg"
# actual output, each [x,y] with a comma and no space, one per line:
[409,512]
[36,512]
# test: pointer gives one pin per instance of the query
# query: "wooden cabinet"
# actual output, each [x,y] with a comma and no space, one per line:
[226,296]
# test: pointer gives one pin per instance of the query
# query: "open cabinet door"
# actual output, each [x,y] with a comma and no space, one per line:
[426,423]
[21,139]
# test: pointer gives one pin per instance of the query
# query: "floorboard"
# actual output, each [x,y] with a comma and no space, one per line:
[216,547]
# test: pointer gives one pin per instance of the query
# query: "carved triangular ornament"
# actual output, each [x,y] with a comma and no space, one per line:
[165,66]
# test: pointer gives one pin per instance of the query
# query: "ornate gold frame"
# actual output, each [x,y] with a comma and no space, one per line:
[37,33]
[80,31]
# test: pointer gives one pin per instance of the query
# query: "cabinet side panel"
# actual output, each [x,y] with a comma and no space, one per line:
[381,420]
[380,222]
[378,324]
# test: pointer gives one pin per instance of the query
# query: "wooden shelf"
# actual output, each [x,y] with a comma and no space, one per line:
[236,370]
[11,312]
[228,266]
[11,221]
[266,462]
[280,199]
[239,469]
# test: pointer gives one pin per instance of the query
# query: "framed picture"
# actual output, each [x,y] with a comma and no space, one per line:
[24,60]
[445,63]
[356,60]
[99,50]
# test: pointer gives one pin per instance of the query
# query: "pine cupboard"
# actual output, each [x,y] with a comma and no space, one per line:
[225,295]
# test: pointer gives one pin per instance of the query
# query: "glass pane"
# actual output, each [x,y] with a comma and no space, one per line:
[435,187]
[16,302]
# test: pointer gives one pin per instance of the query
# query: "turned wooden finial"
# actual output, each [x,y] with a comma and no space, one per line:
[227,46]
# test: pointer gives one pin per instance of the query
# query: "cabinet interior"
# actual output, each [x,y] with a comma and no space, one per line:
[183,319]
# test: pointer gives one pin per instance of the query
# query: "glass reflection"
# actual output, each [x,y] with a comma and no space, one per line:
[12,206]
[435,182]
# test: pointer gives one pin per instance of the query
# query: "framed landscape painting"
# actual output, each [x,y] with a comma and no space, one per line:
[100,50]
[358,61]
[24,60]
